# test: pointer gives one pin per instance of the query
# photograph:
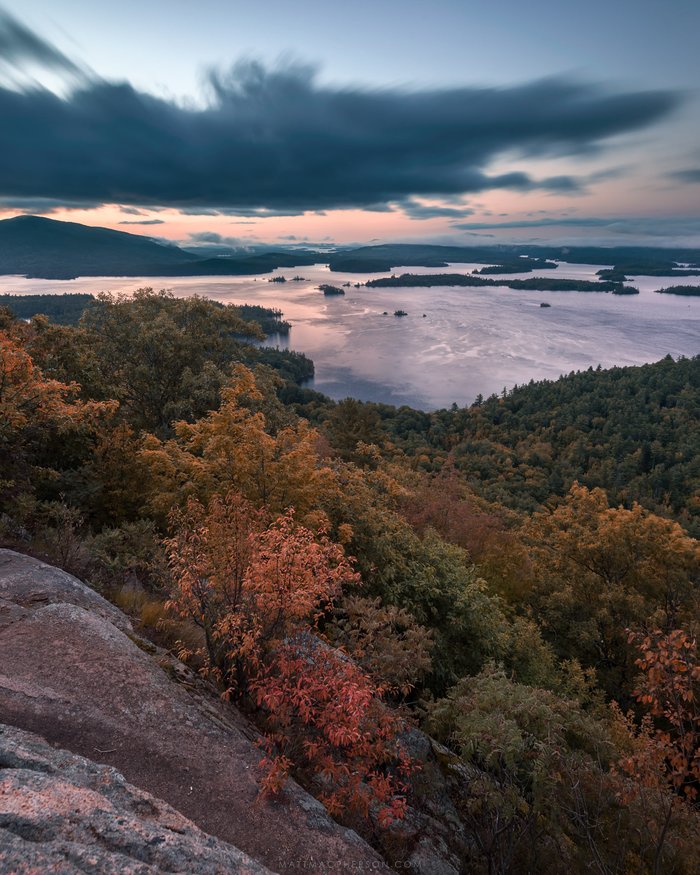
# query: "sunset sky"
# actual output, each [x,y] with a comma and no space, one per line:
[460,121]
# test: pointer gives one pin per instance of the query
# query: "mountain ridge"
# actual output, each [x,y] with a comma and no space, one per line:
[42,248]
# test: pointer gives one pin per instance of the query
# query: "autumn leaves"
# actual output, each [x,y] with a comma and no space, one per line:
[260,590]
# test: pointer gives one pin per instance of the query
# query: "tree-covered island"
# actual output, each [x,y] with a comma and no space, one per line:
[685,291]
[535,284]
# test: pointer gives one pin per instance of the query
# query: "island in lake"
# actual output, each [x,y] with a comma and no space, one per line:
[534,284]
[686,291]
[652,267]
[522,265]
[330,290]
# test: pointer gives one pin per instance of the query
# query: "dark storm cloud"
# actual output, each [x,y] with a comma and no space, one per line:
[582,222]
[143,222]
[213,237]
[691,175]
[277,142]
[651,226]
[248,212]
[44,205]
[19,46]
[416,210]
[419,211]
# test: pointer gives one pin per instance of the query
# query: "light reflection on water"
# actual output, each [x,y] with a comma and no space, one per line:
[470,341]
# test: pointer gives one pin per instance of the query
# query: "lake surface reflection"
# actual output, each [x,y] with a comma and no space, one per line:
[455,342]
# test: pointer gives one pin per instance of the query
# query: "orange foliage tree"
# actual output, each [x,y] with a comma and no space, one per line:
[597,570]
[232,449]
[669,688]
[25,395]
[259,590]
[661,765]
[33,411]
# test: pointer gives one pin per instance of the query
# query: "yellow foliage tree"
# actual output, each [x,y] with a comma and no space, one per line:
[33,409]
[597,570]
[25,395]
[230,450]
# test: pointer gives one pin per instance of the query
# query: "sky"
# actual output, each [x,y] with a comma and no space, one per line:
[231,124]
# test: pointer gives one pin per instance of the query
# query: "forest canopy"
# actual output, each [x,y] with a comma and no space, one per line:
[512,587]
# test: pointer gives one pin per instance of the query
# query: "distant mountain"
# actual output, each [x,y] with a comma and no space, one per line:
[245,265]
[46,248]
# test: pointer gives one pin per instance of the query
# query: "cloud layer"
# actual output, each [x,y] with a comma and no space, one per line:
[276,142]
[19,46]
[635,226]
[691,175]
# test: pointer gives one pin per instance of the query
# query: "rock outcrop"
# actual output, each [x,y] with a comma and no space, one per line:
[63,813]
[73,671]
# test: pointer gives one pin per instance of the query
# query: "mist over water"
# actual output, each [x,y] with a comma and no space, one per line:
[470,341]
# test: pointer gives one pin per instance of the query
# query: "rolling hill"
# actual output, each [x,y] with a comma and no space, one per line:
[45,248]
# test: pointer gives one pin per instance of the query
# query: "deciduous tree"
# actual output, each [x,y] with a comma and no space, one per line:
[597,570]
[259,590]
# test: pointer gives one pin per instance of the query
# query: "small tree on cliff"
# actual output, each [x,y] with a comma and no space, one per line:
[259,591]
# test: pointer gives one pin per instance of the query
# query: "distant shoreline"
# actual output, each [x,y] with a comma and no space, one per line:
[532,284]
[684,291]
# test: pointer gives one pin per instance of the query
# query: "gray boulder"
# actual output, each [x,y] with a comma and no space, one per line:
[73,671]
[61,813]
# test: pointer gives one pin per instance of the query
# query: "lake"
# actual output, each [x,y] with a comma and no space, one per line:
[455,342]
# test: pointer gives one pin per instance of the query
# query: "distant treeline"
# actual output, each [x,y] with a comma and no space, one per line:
[268,318]
[521,265]
[535,284]
[385,257]
[686,291]
[621,272]
[67,309]
[62,309]
[38,247]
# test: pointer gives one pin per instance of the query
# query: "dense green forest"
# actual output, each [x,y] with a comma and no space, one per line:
[518,578]
[61,309]
[68,308]
[632,431]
